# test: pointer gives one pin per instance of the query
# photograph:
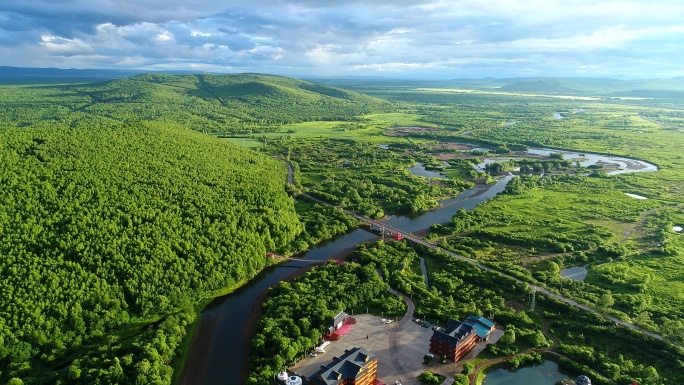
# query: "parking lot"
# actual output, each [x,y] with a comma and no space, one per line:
[411,342]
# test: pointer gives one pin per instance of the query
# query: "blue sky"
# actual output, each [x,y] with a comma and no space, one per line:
[393,38]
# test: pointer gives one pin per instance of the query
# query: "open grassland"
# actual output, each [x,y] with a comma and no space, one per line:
[492,92]
[579,219]
[310,130]
[556,217]
[398,119]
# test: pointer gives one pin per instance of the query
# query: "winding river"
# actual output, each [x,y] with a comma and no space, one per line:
[220,344]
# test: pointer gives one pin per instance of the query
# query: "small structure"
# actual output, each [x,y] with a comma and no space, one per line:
[294,380]
[340,325]
[454,342]
[583,380]
[483,327]
[338,321]
[321,348]
[355,367]
[283,376]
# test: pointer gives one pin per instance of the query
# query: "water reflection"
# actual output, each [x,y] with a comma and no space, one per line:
[420,170]
[585,159]
[545,374]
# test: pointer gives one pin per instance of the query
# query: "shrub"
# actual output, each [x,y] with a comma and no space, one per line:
[430,378]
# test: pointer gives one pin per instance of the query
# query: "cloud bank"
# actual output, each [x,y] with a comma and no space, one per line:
[400,38]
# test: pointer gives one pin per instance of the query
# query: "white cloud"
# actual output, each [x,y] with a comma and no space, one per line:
[440,37]
[62,46]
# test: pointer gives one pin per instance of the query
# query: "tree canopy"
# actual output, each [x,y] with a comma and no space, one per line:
[102,229]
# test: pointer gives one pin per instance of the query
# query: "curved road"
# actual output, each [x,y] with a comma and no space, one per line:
[394,348]
[539,289]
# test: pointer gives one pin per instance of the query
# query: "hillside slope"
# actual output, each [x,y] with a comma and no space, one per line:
[104,230]
[207,103]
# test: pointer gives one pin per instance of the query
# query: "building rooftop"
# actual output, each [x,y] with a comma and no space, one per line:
[482,325]
[454,333]
[341,316]
[348,365]
[484,321]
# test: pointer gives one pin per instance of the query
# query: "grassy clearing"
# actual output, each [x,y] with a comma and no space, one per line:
[617,228]
[398,119]
[313,130]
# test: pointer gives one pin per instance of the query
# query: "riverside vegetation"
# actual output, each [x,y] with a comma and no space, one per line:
[119,221]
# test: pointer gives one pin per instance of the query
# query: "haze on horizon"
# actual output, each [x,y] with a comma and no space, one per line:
[392,38]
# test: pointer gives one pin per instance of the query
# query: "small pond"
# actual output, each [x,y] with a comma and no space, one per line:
[479,149]
[677,229]
[545,374]
[576,273]
[419,169]
[557,115]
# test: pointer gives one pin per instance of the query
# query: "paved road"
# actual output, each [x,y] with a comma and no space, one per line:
[394,348]
[539,289]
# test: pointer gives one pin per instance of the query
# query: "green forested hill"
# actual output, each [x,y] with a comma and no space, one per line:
[104,230]
[207,103]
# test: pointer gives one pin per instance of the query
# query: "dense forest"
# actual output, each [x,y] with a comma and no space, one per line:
[106,230]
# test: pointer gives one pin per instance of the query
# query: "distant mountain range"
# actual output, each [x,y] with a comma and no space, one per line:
[648,88]
[21,75]
[51,75]
[606,87]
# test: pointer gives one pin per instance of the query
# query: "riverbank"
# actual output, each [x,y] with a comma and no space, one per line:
[196,355]
[256,311]
[181,360]
[221,341]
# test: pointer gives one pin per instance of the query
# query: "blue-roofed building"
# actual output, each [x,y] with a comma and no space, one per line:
[483,327]
[454,342]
